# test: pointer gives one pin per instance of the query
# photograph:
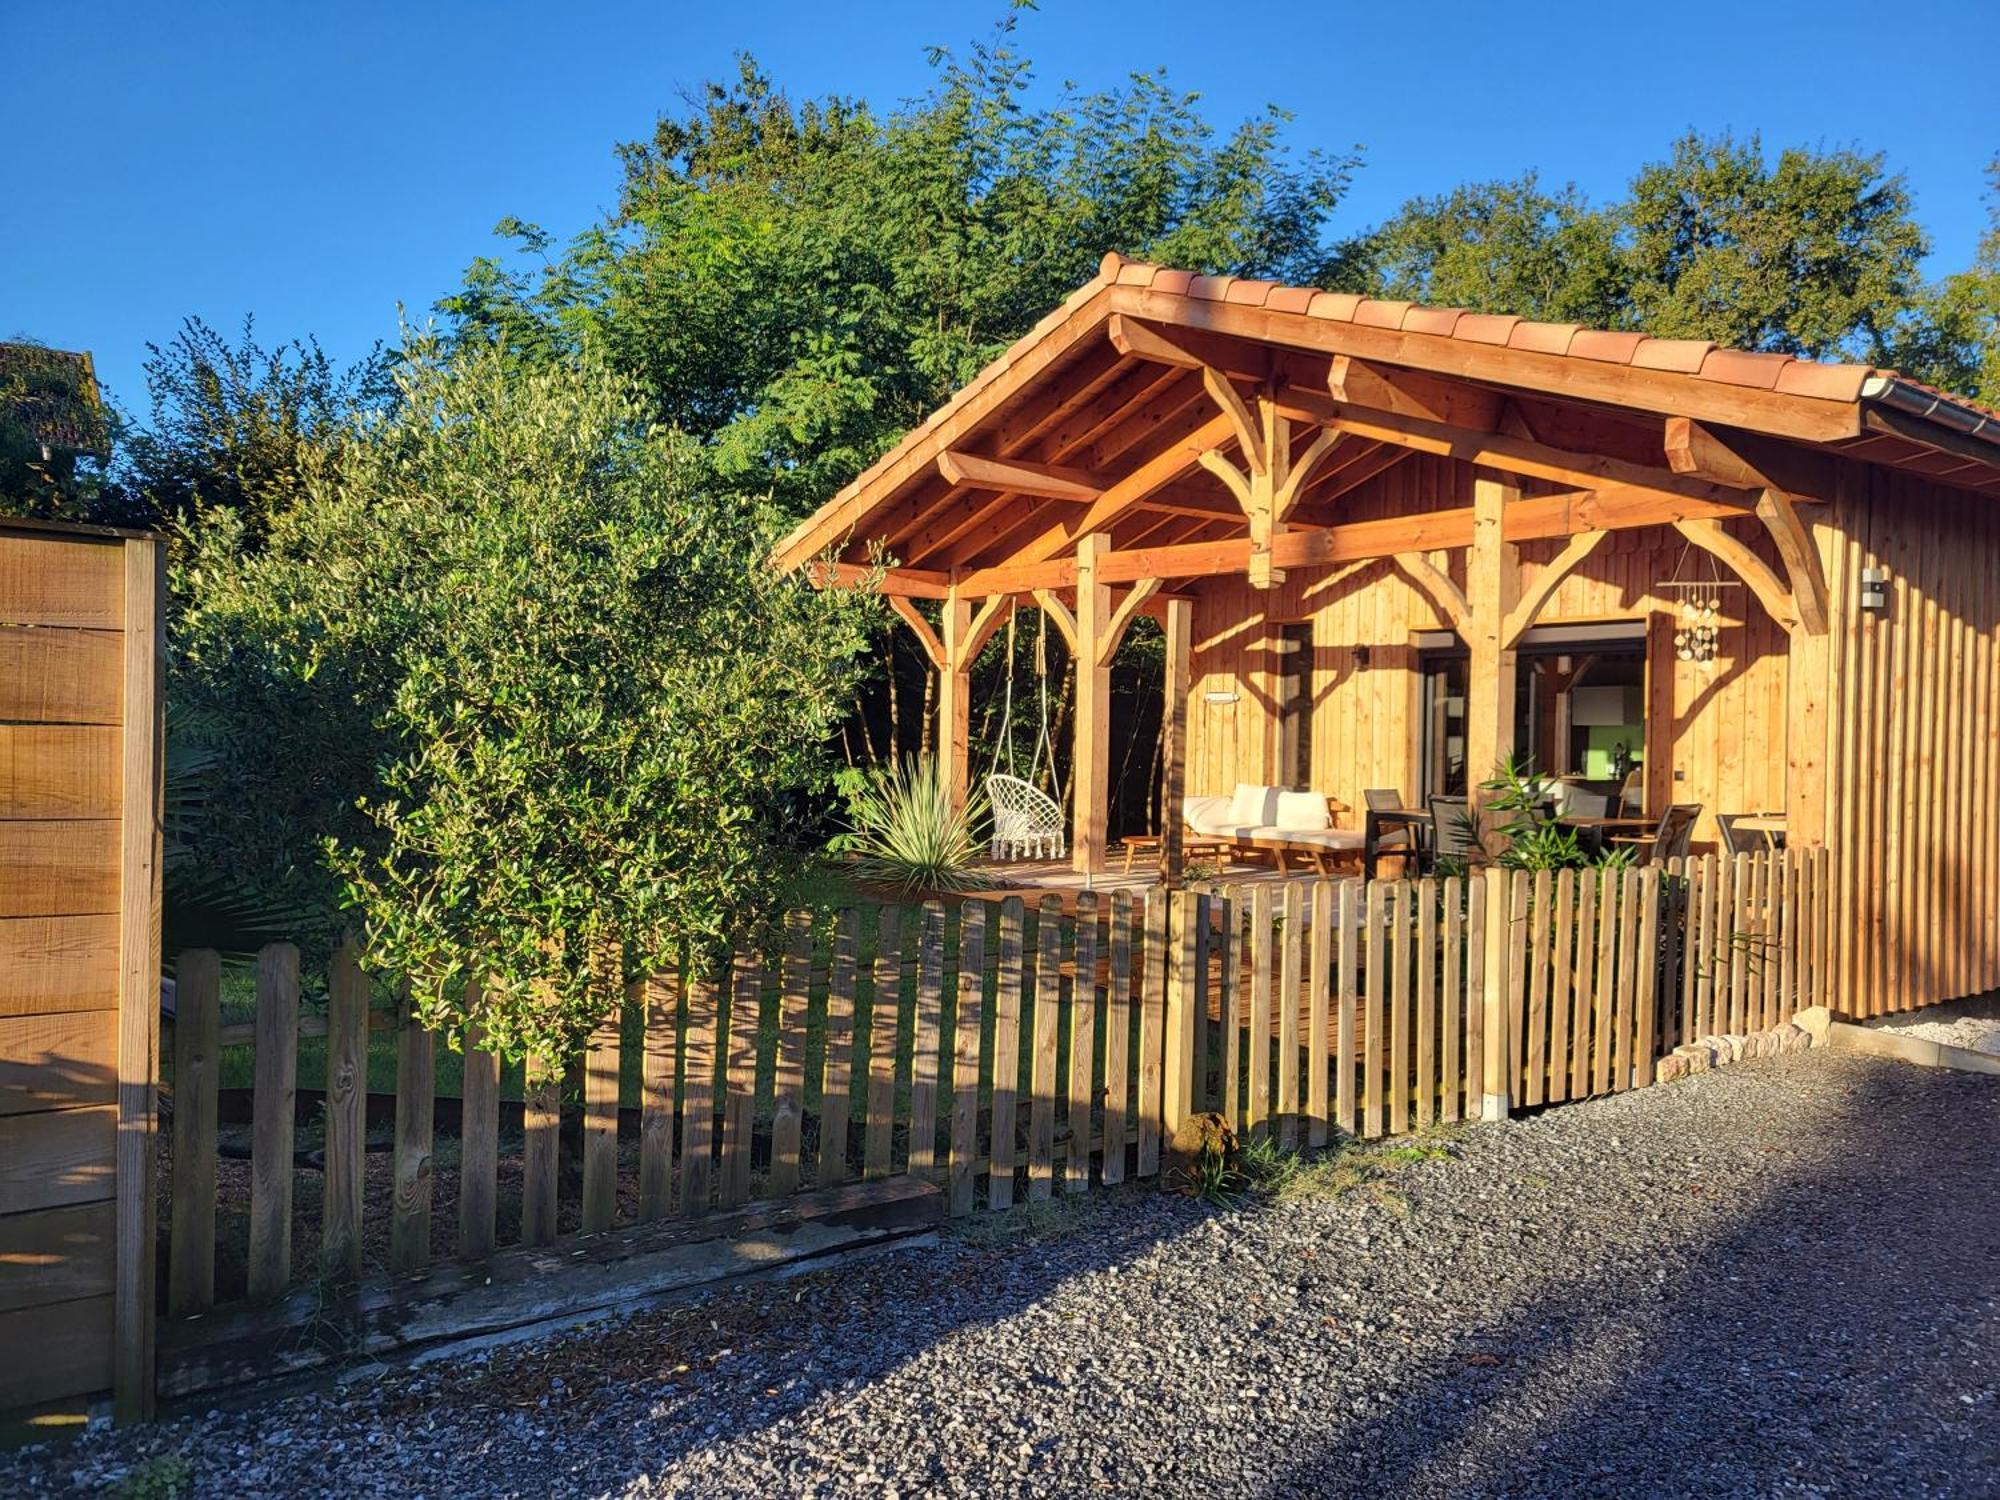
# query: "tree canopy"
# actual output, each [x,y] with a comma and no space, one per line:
[1815,253]
[576,709]
[799,282]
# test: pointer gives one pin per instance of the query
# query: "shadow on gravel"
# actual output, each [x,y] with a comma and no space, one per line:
[1815,1346]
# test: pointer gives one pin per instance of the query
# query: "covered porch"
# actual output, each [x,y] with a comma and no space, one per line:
[1388,550]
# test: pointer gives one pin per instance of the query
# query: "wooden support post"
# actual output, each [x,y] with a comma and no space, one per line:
[141,787]
[270,1260]
[1493,579]
[954,701]
[1090,766]
[1173,751]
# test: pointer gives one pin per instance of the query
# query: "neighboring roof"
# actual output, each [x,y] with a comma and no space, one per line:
[1853,409]
[52,393]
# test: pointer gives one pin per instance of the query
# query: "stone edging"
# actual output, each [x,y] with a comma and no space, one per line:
[1708,1052]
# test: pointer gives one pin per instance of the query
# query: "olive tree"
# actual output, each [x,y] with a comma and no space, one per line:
[529,686]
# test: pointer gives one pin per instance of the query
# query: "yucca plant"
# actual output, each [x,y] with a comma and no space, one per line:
[905,834]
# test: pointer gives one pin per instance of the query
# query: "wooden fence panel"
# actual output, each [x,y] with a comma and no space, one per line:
[410,1205]
[276,1106]
[346,1148]
[1006,1055]
[1152,1019]
[1257,1112]
[967,1024]
[838,1085]
[1374,1011]
[1118,1041]
[197,1065]
[698,1092]
[658,1071]
[1042,1077]
[1351,906]
[1451,1037]
[925,1062]
[1082,1045]
[788,1094]
[739,1077]
[479,1141]
[884,1006]
[600,1121]
[1400,916]
[1290,979]
[1319,996]
[1234,958]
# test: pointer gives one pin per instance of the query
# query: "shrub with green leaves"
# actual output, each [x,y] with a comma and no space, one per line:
[535,691]
[905,833]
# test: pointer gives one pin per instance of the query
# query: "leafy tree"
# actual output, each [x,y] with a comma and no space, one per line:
[1952,338]
[55,438]
[1815,254]
[577,706]
[798,283]
[1503,246]
[229,422]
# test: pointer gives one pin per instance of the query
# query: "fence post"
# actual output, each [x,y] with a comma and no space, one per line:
[274,1103]
[191,1221]
[1177,1088]
[1496,1047]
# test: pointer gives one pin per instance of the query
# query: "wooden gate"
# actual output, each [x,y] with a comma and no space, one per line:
[80,803]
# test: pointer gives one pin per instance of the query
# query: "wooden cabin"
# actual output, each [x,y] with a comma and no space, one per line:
[1392,545]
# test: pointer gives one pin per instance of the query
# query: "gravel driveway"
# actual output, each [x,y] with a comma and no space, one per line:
[1782,1278]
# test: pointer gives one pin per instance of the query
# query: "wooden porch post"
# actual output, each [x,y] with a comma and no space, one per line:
[954,710]
[1090,768]
[1173,732]
[1493,580]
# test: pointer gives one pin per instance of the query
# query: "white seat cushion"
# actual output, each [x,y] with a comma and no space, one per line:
[1252,806]
[1209,815]
[1303,811]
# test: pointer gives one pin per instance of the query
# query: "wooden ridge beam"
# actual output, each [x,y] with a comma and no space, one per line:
[1746,460]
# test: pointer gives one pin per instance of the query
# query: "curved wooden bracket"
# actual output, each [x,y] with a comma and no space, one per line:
[1533,602]
[1777,510]
[1747,565]
[1437,586]
[1302,470]
[926,636]
[980,630]
[1121,618]
[1056,610]
[1229,474]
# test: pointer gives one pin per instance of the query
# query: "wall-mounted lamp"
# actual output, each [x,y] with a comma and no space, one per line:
[1218,697]
[1361,658]
[1875,588]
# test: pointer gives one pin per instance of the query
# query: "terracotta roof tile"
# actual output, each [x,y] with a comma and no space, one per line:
[1375,312]
[1600,344]
[1485,328]
[1442,321]
[1543,338]
[1210,288]
[1176,282]
[1683,356]
[1806,377]
[1337,307]
[1133,273]
[1111,263]
[1250,293]
[1291,299]
[1741,367]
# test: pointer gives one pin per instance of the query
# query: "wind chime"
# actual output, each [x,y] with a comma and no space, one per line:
[1697,596]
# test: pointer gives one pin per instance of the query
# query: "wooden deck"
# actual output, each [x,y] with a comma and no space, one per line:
[1032,879]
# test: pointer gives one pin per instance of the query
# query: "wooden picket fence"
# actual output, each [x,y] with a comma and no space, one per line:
[997,1051]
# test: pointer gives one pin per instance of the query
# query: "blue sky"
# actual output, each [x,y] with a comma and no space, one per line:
[317,165]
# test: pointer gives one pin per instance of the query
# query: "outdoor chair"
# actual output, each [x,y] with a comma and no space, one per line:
[1750,841]
[1398,836]
[1453,833]
[1027,823]
[1670,839]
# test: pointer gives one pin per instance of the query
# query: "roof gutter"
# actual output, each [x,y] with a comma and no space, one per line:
[1932,406]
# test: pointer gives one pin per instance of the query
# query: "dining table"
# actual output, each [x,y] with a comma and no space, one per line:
[1770,825]
[1593,833]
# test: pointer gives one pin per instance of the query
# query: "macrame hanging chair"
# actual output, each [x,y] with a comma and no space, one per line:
[1027,822]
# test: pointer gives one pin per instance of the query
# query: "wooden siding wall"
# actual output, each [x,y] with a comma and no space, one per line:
[1365,730]
[1883,737]
[1912,763]
[62,615]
